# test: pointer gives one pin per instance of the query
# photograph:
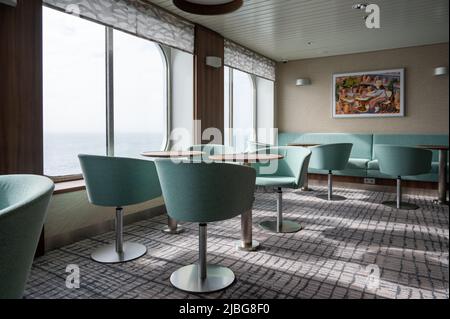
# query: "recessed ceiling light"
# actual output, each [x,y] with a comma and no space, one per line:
[208,7]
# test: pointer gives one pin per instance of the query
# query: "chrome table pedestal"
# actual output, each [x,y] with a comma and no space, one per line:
[442,188]
[172,227]
[247,243]
[442,200]
[306,187]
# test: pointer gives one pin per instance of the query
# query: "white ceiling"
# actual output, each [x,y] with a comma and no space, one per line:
[298,29]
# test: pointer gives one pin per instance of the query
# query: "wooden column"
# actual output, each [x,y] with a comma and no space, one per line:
[21,130]
[208,81]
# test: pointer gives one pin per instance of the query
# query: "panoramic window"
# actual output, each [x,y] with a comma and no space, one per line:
[75,90]
[243,117]
[139,95]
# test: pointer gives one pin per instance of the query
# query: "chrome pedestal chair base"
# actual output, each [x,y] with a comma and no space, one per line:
[333,197]
[120,251]
[109,255]
[403,205]
[287,226]
[399,204]
[330,195]
[187,279]
[280,225]
[201,277]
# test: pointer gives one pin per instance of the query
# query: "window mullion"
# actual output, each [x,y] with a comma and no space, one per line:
[231,107]
[255,108]
[110,91]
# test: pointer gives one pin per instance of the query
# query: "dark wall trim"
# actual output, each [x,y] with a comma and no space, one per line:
[208,81]
[21,140]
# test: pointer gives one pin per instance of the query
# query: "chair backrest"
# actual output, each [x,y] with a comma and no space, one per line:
[253,146]
[118,181]
[23,207]
[202,193]
[403,160]
[331,157]
[294,163]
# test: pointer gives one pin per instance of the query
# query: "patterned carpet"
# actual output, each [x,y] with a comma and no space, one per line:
[348,249]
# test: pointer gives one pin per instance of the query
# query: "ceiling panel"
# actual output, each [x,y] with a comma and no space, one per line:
[298,29]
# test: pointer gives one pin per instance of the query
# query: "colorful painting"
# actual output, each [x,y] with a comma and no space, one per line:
[369,94]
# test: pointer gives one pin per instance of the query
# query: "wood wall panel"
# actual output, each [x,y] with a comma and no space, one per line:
[21,88]
[208,81]
[21,130]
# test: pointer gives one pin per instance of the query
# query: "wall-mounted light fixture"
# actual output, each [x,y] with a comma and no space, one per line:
[9,2]
[214,61]
[441,70]
[303,82]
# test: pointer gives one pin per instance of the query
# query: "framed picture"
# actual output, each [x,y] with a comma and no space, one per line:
[369,94]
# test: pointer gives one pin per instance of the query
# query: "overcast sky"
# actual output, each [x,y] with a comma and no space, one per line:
[74,78]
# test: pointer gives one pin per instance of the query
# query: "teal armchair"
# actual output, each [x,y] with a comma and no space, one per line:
[331,157]
[23,208]
[398,161]
[289,173]
[203,193]
[117,182]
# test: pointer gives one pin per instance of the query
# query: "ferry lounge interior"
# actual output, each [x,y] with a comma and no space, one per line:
[217,149]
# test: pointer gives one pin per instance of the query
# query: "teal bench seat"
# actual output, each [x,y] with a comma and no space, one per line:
[363,161]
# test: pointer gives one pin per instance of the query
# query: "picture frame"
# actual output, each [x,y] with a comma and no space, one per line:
[369,94]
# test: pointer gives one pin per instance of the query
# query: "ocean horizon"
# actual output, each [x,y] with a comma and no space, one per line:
[61,150]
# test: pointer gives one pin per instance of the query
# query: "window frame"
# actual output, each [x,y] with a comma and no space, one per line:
[165,52]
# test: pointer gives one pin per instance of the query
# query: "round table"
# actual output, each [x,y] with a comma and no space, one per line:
[172,154]
[246,243]
[442,189]
[172,224]
[305,187]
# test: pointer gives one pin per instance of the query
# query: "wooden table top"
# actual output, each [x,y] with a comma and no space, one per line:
[170,154]
[246,158]
[304,144]
[435,147]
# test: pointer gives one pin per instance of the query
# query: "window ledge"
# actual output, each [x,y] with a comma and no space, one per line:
[68,187]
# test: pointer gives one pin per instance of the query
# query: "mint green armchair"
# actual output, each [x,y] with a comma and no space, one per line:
[203,193]
[288,172]
[398,161]
[23,207]
[253,146]
[330,157]
[117,182]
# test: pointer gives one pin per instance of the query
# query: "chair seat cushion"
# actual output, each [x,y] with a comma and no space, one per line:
[276,181]
[357,163]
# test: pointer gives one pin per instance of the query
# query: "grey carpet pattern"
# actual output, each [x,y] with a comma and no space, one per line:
[348,249]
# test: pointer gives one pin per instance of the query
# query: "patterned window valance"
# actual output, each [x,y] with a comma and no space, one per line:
[241,58]
[134,16]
